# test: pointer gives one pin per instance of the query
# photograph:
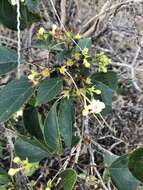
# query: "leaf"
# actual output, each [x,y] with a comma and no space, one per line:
[31,5]
[135,163]
[66,120]
[68,179]
[4,178]
[110,79]
[109,159]
[51,131]
[48,90]
[32,123]
[63,54]
[13,96]
[121,176]
[106,95]
[8,16]
[106,92]
[29,149]
[107,83]
[40,44]
[8,60]
[84,43]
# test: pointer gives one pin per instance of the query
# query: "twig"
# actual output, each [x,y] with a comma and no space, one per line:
[63,12]
[18,40]
[108,9]
[132,72]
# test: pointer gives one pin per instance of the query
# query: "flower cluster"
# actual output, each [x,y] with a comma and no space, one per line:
[25,166]
[103,62]
[34,76]
[95,107]
[85,53]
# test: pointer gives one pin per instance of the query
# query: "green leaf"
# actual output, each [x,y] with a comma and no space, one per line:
[31,5]
[106,92]
[84,43]
[66,120]
[4,178]
[107,83]
[8,16]
[110,79]
[135,163]
[51,131]
[68,179]
[29,149]
[106,95]
[109,159]
[8,60]
[63,54]
[32,123]
[121,176]
[48,90]
[13,96]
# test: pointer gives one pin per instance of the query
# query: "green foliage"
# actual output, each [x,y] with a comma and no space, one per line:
[32,123]
[68,179]
[66,120]
[51,131]
[106,95]
[26,148]
[119,172]
[8,60]
[13,96]
[31,5]
[84,43]
[48,90]
[107,83]
[136,163]
[8,15]
[110,79]
[4,178]
[76,85]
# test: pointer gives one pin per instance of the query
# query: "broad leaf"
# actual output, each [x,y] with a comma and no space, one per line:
[109,159]
[48,90]
[31,5]
[68,179]
[110,79]
[121,176]
[63,54]
[66,120]
[8,60]
[136,163]
[31,122]
[51,131]
[29,149]
[106,95]
[8,16]
[84,43]
[107,83]
[13,96]
[4,178]
[106,92]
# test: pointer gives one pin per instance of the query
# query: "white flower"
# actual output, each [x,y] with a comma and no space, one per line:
[85,112]
[96,106]
[41,31]
[13,2]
